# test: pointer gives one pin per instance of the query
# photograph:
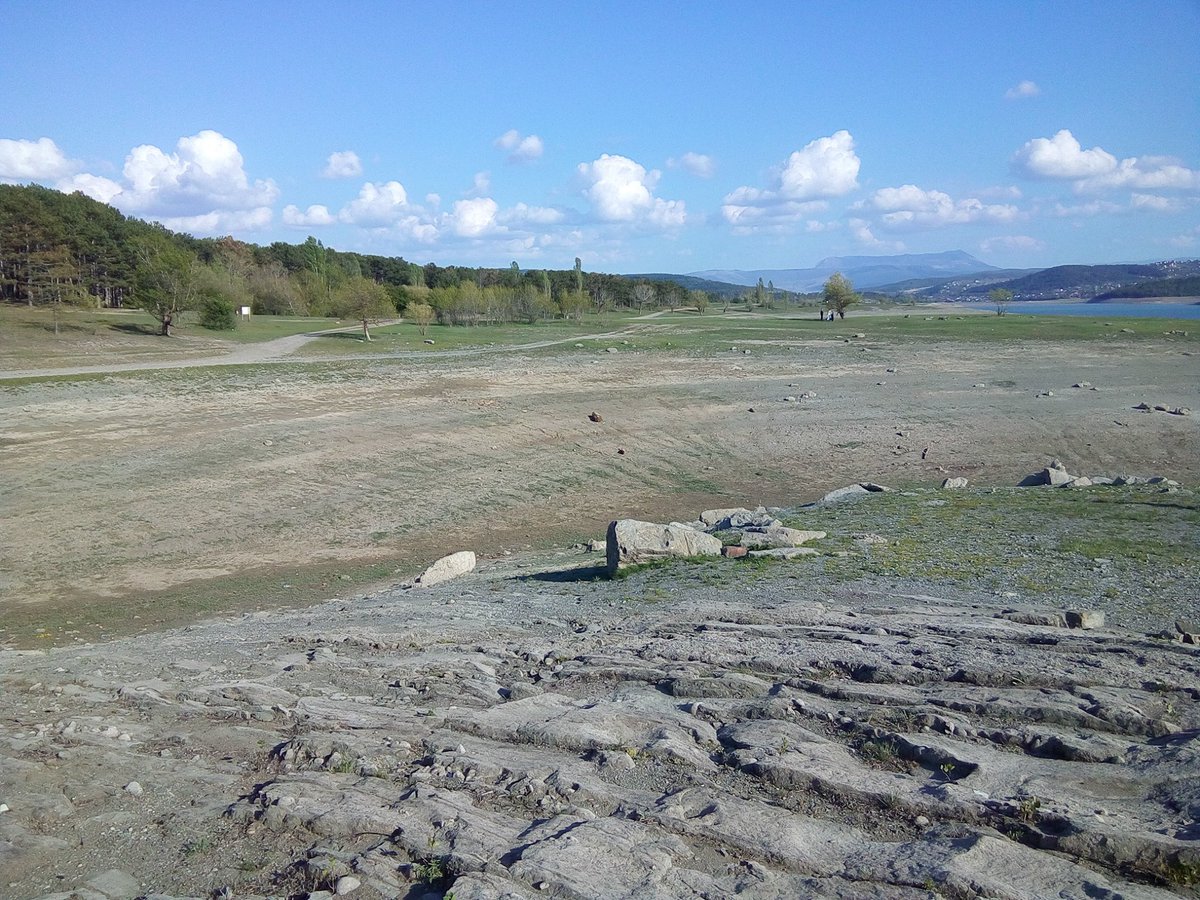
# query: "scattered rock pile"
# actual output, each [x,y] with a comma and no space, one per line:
[743,532]
[1056,475]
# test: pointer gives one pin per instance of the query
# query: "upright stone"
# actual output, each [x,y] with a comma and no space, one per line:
[446,568]
[631,542]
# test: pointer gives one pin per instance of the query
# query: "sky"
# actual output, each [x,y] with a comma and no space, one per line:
[637,136]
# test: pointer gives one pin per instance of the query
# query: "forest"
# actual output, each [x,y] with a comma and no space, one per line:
[67,250]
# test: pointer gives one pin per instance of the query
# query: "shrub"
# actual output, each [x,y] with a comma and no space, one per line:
[216,313]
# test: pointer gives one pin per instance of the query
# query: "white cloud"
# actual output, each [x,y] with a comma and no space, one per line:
[342,164]
[39,160]
[481,185]
[203,182]
[474,218]
[521,149]
[315,215]
[621,190]
[1022,91]
[911,206]
[861,229]
[1078,210]
[1186,240]
[221,221]
[1147,173]
[1062,157]
[1012,242]
[95,186]
[826,167]
[377,205]
[697,164]
[521,214]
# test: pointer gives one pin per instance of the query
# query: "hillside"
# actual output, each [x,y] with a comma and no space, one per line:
[1187,286]
[1066,282]
[863,271]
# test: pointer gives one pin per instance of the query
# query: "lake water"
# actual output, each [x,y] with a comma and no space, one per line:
[1183,310]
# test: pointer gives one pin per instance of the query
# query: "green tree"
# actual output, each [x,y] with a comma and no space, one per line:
[216,313]
[166,281]
[365,300]
[422,315]
[1000,298]
[839,294]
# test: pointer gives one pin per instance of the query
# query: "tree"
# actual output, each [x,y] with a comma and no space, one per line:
[362,299]
[1000,298]
[839,294]
[700,301]
[643,294]
[422,315]
[166,284]
[216,313]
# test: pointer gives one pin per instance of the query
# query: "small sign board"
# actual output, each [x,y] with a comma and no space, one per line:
[246,311]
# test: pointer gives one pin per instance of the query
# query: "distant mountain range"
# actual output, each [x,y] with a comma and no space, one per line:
[865,272]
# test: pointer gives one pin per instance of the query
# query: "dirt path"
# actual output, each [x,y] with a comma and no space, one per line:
[282,350]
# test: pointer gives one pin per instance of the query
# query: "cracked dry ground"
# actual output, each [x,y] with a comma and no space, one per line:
[511,735]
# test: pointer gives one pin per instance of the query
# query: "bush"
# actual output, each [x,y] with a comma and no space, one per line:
[216,313]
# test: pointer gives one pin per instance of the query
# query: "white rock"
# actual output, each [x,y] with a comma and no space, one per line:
[133,788]
[346,884]
[954,484]
[447,568]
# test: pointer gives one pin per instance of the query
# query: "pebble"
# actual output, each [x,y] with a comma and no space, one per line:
[134,788]
[921,821]
[346,884]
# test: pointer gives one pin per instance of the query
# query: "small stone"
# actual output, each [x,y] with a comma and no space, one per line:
[734,552]
[921,821]
[3,808]
[133,788]
[611,350]
[954,484]
[428,341]
[347,884]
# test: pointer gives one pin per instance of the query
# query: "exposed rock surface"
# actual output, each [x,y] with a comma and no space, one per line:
[548,735]
[448,567]
[631,542]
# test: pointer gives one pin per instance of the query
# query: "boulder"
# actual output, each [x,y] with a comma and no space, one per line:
[841,495]
[778,537]
[631,542]
[1056,476]
[711,517]
[1084,618]
[1079,482]
[734,552]
[447,568]
[954,484]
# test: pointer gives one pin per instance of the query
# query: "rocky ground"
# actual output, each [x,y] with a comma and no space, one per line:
[733,728]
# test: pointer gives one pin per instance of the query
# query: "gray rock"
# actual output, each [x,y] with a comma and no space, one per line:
[631,542]
[347,884]
[1084,618]
[784,552]
[447,568]
[954,484]
[778,537]
[841,495]
[116,885]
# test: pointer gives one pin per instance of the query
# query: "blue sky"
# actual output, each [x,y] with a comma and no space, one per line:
[637,136]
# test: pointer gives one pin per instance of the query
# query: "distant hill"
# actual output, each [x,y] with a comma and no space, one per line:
[1187,286]
[694,283]
[863,271]
[1085,282]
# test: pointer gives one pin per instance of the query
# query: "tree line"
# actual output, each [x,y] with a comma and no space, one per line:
[61,249]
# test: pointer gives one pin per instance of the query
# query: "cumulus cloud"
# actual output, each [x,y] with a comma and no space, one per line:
[474,218]
[861,229]
[912,206]
[481,185]
[342,164]
[697,164]
[621,190]
[95,186]
[1022,90]
[521,149]
[1062,156]
[1145,173]
[1078,210]
[1097,170]
[377,205]
[825,167]
[201,187]
[1012,242]
[315,215]
[39,160]
[522,214]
